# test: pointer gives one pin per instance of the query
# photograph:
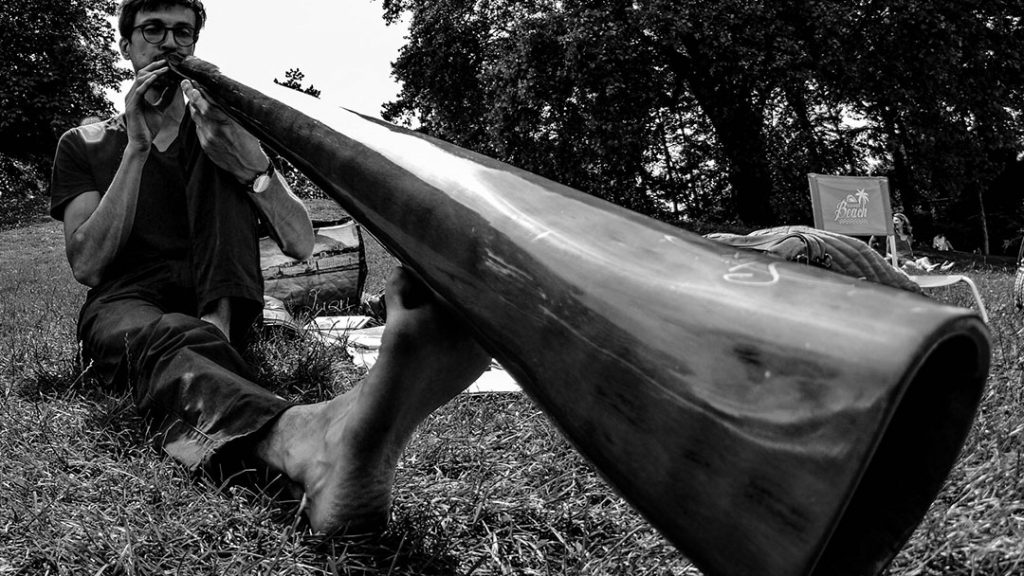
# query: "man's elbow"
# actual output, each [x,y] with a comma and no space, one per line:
[300,248]
[86,272]
[85,275]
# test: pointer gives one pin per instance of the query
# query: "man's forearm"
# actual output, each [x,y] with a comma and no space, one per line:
[98,237]
[287,215]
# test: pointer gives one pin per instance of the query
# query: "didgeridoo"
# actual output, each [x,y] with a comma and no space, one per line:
[767,417]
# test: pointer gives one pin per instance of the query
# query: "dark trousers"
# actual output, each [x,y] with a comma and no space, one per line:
[142,330]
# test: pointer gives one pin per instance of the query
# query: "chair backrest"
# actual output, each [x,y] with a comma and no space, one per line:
[334,275]
[854,206]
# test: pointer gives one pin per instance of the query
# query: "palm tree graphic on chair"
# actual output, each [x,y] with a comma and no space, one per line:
[853,207]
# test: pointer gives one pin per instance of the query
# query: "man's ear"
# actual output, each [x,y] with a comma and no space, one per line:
[124,43]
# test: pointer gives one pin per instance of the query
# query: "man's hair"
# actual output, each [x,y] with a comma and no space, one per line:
[130,8]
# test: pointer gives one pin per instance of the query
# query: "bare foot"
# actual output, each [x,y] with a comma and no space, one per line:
[219,314]
[344,452]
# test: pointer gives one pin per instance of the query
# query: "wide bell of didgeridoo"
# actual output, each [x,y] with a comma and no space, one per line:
[768,418]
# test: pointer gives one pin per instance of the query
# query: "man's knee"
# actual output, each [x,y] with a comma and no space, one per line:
[174,329]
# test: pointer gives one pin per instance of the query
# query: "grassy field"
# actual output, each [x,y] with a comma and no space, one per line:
[487,487]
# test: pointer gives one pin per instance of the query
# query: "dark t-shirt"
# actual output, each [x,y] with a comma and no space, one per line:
[194,236]
[88,158]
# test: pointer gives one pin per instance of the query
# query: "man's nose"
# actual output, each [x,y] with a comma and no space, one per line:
[169,45]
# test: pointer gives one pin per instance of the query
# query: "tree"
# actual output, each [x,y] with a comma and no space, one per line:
[549,90]
[718,109]
[293,79]
[609,96]
[710,49]
[57,61]
[941,85]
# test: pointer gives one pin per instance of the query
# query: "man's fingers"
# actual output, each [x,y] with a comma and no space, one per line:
[199,105]
[146,78]
[153,66]
[138,90]
[223,139]
[196,102]
[144,82]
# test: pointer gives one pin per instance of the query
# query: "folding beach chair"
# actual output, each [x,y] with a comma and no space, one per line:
[332,277]
[860,206]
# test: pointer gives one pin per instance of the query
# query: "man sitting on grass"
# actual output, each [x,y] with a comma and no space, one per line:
[161,210]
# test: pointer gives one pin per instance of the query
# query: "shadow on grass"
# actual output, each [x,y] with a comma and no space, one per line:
[404,548]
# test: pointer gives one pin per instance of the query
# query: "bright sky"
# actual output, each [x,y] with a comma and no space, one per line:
[342,46]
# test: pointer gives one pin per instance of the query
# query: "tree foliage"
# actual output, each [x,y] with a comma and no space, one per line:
[56,61]
[718,110]
[293,79]
[940,84]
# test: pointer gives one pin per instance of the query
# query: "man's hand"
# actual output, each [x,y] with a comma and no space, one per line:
[225,142]
[235,150]
[139,134]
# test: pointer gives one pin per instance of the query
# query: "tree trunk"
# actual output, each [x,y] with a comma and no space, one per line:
[902,179]
[984,223]
[738,124]
[797,101]
[669,165]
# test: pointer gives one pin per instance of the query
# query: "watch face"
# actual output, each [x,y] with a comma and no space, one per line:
[261,183]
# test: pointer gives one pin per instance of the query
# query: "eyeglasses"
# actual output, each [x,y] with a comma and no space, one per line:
[155,33]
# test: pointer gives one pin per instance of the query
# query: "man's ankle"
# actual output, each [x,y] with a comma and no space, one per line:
[218,313]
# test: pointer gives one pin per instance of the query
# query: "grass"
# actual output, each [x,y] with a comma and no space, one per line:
[488,486]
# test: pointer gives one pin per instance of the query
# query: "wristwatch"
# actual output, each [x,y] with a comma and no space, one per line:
[261,182]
